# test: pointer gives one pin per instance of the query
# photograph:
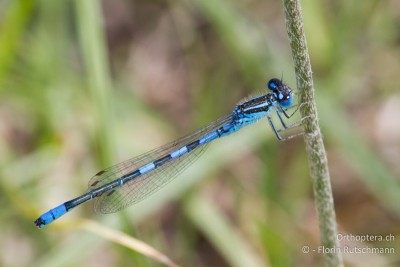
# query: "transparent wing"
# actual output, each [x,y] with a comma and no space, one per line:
[144,185]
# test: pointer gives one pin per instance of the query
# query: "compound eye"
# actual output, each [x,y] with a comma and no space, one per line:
[287,102]
[273,84]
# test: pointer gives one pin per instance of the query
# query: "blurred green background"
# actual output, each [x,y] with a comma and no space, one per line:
[87,84]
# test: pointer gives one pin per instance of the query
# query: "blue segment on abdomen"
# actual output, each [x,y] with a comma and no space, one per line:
[51,215]
[209,137]
[177,153]
[147,168]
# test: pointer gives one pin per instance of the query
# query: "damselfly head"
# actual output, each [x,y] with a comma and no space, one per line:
[282,92]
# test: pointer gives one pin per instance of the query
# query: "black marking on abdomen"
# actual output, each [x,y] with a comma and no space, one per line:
[131,176]
[193,145]
[162,161]
[221,131]
[69,205]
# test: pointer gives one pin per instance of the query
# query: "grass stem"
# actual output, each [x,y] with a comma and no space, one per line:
[313,138]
